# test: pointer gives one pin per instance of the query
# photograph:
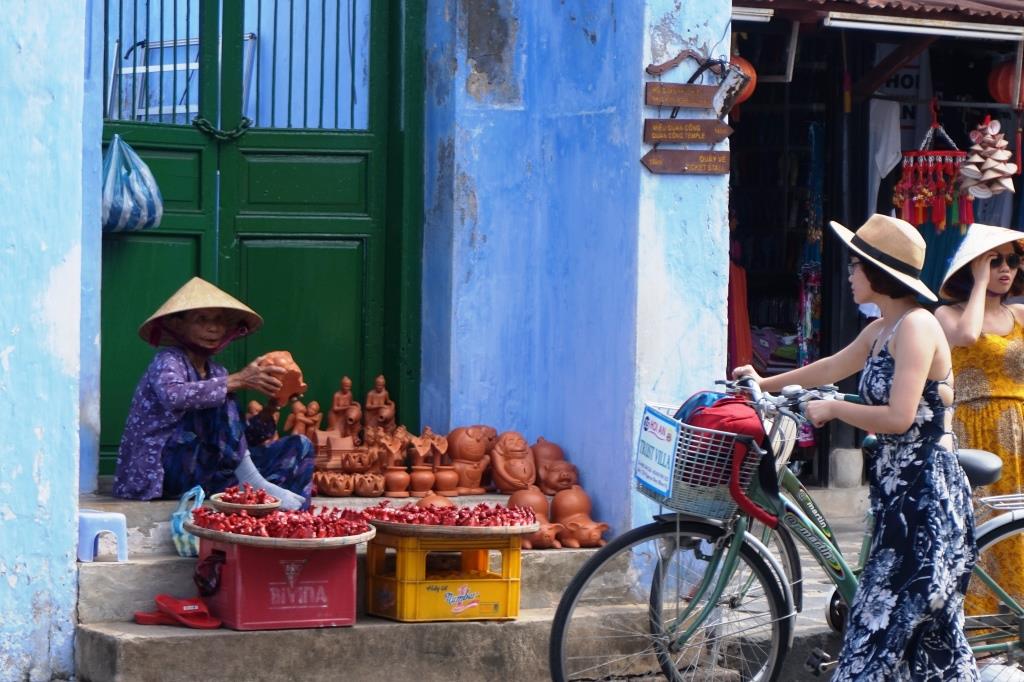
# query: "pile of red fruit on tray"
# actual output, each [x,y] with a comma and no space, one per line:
[481,514]
[247,495]
[317,522]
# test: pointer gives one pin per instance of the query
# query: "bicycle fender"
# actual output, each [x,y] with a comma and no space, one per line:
[780,577]
[998,522]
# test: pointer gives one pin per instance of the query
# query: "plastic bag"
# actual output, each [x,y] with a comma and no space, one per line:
[131,198]
[185,543]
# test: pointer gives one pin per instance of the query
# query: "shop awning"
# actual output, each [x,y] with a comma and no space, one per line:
[1001,11]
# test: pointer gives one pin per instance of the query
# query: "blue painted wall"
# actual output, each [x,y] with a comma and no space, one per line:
[530,243]
[564,285]
[41,250]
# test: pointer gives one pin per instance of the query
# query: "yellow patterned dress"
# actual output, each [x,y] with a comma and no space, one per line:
[989,415]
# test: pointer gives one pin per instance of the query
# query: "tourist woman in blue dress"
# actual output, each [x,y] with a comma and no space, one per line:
[906,620]
[184,428]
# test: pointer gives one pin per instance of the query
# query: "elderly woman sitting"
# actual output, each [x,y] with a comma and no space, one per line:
[184,427]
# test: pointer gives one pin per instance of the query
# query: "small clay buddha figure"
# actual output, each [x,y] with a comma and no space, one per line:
[342,403]
[314,417]
[376,399]
[512,465]
[297,422]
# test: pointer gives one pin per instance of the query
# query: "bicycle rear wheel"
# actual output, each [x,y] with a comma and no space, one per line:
[623,614]
[989,618]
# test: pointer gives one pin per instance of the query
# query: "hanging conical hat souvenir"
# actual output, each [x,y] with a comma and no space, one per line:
[1001,144]
[1004,182]
[969,170]
[991,174]
[989,164]
[976,158]
[1002,155]
[980,191]
[195,294]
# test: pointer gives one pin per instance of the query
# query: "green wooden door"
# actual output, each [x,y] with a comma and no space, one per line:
[288,213]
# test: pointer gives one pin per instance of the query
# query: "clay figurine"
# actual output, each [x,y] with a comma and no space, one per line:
[386,418]
[554,473]
[421,447]
[512,466]
[342,402]
[297,422]
[547,535]
[467,448]
[571,508]
[292,384]
[314,416]
[376,399]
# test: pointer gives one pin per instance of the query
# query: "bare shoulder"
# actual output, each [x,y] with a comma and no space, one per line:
[1018,311]
[953,312]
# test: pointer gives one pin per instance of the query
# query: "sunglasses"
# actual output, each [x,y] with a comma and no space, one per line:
[1012,261]
[851,266]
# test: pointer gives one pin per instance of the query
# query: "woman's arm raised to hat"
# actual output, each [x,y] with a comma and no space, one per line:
[827,370]
[914,349]
[962,325]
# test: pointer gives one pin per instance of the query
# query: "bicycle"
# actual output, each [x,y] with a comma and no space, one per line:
[694,595]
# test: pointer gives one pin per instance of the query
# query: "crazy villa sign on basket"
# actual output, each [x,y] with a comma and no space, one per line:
[656,451]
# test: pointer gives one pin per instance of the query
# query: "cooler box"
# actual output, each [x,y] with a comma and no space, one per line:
[262,588]
[407,578]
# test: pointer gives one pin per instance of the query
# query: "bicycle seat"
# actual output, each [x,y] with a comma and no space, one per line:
[982,467]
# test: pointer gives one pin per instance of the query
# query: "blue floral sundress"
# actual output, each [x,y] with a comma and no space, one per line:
[906,621]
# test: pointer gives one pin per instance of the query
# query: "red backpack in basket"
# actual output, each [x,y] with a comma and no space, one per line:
[734,415]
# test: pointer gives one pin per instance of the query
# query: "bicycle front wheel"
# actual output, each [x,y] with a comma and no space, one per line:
[990,617]
[634,609]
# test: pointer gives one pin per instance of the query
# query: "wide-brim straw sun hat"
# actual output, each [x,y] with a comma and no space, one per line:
[979,239]
[893,245]
[195,294]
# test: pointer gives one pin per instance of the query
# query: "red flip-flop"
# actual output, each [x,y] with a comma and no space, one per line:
[188,612]
[154,618]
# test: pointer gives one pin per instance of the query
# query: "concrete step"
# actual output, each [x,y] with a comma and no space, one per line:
[114,591]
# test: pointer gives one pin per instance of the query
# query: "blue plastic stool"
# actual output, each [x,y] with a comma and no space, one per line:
[92,522]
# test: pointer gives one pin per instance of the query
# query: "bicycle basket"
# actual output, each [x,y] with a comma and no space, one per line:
[701,473]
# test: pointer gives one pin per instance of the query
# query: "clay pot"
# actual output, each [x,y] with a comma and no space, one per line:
[368,485]
[396,482]
[533,498]
[421,480]
[435,500]
[291,381]
[336,484]
[446,481]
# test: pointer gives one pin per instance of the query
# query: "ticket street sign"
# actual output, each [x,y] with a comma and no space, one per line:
[679,95]
[656,451]
[685,130]
[686,162]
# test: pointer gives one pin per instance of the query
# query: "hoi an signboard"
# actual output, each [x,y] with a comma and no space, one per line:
[680,95]
[684,130]
[686,161]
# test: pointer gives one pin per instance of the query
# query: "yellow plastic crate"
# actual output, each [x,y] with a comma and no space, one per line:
[404,585]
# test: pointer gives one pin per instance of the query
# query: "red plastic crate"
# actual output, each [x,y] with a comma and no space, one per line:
[273,589]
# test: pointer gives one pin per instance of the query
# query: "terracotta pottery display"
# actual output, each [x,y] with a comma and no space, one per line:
[467,449]
[396,482]
[512,465]
[446,481]
[491,434]
[313,418]
[386,418]
[421,447]
[368,485]
[421,481]
[435,500]
[333,483]
[343,405]
[292,384]
[376,399]
[571,508]
[554,473]
[298,423]
[547,536]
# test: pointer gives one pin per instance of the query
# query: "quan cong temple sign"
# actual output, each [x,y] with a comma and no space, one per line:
[679,95]
[685,130]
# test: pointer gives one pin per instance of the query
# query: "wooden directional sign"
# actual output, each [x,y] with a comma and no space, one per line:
[684,130]
[680,95]
[686,161]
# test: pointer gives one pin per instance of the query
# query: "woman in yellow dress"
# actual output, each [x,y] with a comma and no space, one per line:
[986,336]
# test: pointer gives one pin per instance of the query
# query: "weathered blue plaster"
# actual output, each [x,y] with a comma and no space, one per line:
[92,245]
[42,48]
[530,243]
[684,237]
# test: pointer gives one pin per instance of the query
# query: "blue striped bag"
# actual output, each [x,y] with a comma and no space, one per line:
[131,198]
[185,543]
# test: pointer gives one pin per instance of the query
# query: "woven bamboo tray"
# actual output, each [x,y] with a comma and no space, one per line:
[393,528]
[280,543]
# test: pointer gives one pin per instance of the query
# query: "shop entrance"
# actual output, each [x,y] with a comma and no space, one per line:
[266,124]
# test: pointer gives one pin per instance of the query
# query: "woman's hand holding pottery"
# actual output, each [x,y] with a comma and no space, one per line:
[258,378]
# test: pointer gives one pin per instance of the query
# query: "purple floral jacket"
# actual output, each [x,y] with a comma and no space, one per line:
[170,387]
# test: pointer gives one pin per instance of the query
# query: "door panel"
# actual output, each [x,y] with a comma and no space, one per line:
[139,273]
[307,183]
[310,293]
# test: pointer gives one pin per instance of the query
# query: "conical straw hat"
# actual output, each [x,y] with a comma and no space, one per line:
[969,170]
[975,158]
[1002,155]
[980,239]
[195,294]
[1005,183]
[991,174]
[892,244]
[1001,144]
[989,164]
[980,191]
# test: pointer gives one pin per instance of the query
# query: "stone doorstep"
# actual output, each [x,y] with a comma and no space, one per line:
[114,591]
[374,649]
